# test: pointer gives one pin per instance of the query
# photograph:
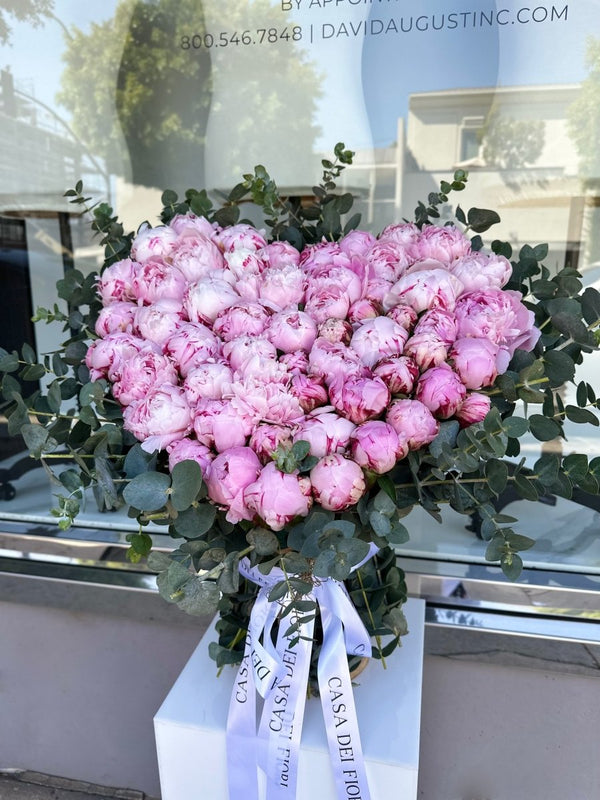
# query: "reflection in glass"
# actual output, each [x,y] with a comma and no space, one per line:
[137,95]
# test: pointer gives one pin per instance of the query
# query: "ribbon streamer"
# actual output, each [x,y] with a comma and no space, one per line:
[279,673]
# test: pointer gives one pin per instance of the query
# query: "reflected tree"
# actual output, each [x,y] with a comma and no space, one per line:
[509,143]
[584,115]
[33,11]
[162,90]
[584,129]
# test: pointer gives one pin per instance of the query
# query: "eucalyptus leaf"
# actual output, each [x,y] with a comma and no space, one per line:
[581,415]
[229,579]
[481,219]
[496,473]
[195,522]
[380,523]
[36,438]
[186,482]
[575,466]
[543,428]
[199,597]
[158,561]
[398,534]
[9,362]
[263,540]
[512,566]
[515,426]
[295,564]
[148,491]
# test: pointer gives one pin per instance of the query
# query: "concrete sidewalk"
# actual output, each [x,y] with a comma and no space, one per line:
[24,785]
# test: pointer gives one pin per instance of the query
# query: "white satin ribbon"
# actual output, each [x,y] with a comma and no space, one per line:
[279,673]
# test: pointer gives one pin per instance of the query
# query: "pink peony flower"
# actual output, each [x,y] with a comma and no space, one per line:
[497,315]
[241,237]
[430,288]
[244,262]
[282,288]
[248,287]
[309,391]
[441,390]
[151,243]
[159,321]
[240,350]
[105,357]
[291,331]
[476,361]
[295,362]
[322,254]
[405,233]
[141,373]
[266,438]
[116,318]
[399,373]
[376,446]
[218,424]
[403,315]
[413,422]
[277,497]
[351,277]
[262,369]
[156,280]
[328,360]
[443,243]
[388,260]
[337,482]
[191,225]
[196,256]
[247,318]
[474,408]
[208,381]
[377,289]
[427,350]
[205,299]
[190,450]
[364,309]
[357,243]
[439,322]
[230,473]
[327,299]
[359,399]
[116,282]
[335,330]
[280,254]
[478,271]
[162,417]
[326,433]
[378,338]
[265,402]
[191,345]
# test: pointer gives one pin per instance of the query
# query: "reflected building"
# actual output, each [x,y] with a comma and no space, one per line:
[522,162]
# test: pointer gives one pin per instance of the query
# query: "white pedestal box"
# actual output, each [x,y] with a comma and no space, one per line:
[190,726]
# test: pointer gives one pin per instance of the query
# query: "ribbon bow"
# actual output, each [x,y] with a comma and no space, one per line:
[279,673]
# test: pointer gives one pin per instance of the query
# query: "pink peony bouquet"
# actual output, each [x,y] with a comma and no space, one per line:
[226,349]
[287,397]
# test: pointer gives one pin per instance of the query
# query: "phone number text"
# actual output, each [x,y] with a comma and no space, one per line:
[196,41]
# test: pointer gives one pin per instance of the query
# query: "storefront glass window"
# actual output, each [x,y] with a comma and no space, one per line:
[135,96]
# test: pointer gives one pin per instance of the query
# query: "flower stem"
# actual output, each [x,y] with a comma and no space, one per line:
[366,599]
